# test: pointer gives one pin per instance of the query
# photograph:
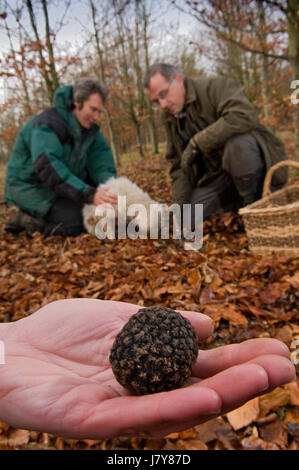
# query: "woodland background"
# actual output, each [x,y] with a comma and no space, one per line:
[254,42]
[48,43]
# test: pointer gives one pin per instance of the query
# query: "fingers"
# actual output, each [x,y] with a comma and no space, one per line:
[280,370]
[156,414]
[232,388]
[103,196]
[212,361]
[240,383]
[203,324]
[110,198]
[162,413]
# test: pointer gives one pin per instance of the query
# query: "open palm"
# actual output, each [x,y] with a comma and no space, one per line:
[57,377]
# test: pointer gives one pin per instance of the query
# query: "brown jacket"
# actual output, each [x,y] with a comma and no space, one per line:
[216,109]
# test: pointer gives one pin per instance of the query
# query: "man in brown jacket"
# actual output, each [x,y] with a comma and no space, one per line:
[218,150]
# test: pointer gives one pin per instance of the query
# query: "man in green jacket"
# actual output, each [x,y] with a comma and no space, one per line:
[58,160]
[218,150]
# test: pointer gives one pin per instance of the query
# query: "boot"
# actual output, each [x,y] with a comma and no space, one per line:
[24,221]
[250,186]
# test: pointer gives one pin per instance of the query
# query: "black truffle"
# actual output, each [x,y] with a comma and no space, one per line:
[155,351]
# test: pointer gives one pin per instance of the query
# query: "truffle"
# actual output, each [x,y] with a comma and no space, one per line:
[155,351]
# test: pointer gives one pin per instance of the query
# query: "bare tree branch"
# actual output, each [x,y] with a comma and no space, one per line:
[203,18]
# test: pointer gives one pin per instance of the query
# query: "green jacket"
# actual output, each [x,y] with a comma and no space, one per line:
[54,157]
[216,109]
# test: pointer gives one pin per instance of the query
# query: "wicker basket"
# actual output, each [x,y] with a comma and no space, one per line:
[272,223]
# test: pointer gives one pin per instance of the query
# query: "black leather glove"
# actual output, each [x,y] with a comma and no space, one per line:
[188,157]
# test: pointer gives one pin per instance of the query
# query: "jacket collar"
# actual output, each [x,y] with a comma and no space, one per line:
[190,91]
[63,102]
[85,133]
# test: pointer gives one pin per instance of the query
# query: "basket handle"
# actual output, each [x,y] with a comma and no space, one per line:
[271,170]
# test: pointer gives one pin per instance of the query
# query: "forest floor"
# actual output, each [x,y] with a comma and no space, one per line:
[247,296]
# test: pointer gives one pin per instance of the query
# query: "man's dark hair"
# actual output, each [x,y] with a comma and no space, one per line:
[168,71]
[86,86]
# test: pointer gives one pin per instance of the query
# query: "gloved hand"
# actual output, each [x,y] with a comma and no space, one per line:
[188,157]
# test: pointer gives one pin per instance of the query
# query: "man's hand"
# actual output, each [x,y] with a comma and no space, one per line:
[189,156]
[102,196]
[57,376]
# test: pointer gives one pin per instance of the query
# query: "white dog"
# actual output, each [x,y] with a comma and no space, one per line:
[147,219]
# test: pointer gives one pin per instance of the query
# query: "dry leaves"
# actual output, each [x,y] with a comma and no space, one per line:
[245,415]
[247,297]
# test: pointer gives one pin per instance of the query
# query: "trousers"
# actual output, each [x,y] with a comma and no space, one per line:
[64,218]
[240,181]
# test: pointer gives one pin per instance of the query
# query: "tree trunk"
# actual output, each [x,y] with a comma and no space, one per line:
[265,62]
[151,120]
[102,75]
[42,64]
[125,35]
[139,140]
[52,68]
[112,139]
[19,66]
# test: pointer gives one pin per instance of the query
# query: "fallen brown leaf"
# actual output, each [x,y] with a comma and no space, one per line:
[293,389]
[207,432]
[256,443]
[273,400]
[275,433]
[191,444]
[16,438]
[244,415]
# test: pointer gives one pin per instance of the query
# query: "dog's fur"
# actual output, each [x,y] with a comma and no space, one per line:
[122,186]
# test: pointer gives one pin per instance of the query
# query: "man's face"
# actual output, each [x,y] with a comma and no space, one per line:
[90,111]
[170,96]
